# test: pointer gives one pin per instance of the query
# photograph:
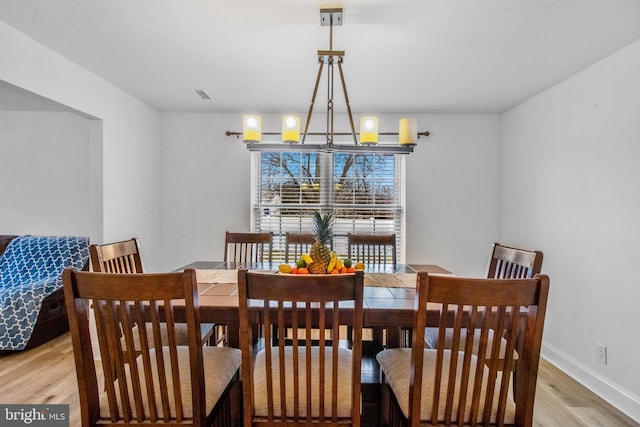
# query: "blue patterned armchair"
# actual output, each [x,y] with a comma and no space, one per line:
[32,309]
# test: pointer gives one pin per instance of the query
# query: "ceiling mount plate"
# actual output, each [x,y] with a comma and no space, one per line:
[331,16]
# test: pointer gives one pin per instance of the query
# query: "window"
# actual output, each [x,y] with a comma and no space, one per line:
[365,192]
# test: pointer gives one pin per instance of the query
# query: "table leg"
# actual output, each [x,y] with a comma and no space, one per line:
[377,336]
[394,337]
[233,336]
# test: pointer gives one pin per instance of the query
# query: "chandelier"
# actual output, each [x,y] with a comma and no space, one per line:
[291,124]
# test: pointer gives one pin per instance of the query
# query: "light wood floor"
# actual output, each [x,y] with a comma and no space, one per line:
[46,374]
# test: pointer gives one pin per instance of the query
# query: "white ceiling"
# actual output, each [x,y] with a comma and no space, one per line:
[404,56]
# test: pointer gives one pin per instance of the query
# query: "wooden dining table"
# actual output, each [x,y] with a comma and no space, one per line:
[389,295]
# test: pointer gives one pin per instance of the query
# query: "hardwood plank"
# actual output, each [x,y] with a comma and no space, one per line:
[46,374]
[562,401]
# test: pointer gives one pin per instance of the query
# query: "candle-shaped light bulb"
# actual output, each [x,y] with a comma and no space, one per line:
[251,128]
[291,129]
[369,130]
[408,132]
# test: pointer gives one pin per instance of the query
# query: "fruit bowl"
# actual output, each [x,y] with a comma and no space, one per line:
[335,266]
[314,275]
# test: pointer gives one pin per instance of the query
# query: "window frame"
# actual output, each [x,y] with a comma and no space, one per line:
[265,215]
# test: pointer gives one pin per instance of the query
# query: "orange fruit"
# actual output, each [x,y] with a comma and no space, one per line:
[294,270]
[335,271]
[344,270]
[351,270]
[303,270]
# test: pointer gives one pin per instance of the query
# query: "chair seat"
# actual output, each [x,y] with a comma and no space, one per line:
[431,339]
[344,387]
[395,363]
[220,366]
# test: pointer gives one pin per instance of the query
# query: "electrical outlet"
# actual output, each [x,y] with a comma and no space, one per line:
[601,353]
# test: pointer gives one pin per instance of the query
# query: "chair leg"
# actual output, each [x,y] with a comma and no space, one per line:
[228,410]
[392,415]
[385,400]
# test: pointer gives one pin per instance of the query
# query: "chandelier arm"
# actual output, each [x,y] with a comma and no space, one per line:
[313,100]
[330,103]
[330,87]
[346,100]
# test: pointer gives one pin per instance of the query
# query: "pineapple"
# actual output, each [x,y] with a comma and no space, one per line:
[320,252]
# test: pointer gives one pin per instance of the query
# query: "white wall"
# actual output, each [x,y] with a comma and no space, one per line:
[44,178]
[452,195]
[570,180]
[205,186]
[124,140]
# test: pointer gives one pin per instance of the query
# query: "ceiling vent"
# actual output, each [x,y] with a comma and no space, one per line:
[203,94]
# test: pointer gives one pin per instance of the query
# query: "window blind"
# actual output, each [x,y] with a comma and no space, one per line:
[365,192]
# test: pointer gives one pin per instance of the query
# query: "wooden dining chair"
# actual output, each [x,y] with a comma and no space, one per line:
[372,248]
[245,248]
[165,383]
[118,257]
[504,263]
[124,257]
[460,386]
[296,244]
[513,263]
[304,381]
[248,247]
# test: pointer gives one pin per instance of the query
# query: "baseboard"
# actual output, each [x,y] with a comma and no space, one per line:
[621,399]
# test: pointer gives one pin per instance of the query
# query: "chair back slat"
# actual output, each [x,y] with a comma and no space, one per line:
[127,314]
[248,247]
[372,248]
[513,263]
[141,383]
[301,376]
[478,319]
[474,379]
